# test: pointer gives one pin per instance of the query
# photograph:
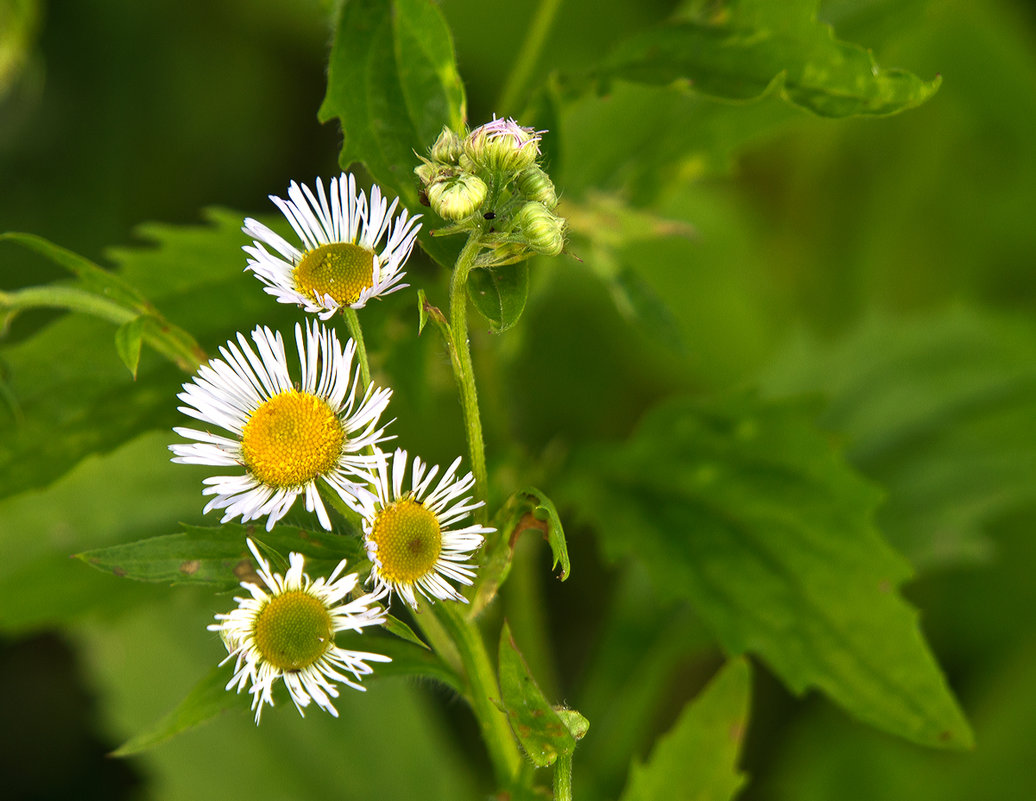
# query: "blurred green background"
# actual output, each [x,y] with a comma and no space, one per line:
[885,264]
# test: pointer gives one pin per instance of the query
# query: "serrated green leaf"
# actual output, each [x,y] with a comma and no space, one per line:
[128,340]
[393,84]
[744,509]
[71,387]
[208,698]
[755,46]
[542,733]
[697,758]
[938,409]
[528,509]
[500,293]
[219,556]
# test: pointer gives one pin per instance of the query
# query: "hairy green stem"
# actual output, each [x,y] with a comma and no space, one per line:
[528,56]
[466,372]
[483,691]
[352,322]
[563,778]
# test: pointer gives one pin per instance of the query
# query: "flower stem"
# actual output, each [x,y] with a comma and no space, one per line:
[483,690]
[563,778]
[464,370]
[352,322]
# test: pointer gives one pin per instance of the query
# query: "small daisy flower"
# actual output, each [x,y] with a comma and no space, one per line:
[286,630]
[410,535]
[285,436]
[339,263]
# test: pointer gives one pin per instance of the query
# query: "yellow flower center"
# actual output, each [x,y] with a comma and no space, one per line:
[293,630]
[409,540]
[342,270]
[291,439]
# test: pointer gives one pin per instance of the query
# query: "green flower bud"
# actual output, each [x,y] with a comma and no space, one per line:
[447,147]
[427,172]
[458,197]
[535,184]
[503,145]
[544,230]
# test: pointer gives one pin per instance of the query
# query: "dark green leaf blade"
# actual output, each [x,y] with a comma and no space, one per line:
[500,293]
[393,84]
[697,758]
[219,556]
[542,733]
[938,409]
[745,510]
[71,405]
[208,698]
[754,46]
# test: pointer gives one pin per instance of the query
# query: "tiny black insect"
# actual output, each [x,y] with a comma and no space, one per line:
[490,215]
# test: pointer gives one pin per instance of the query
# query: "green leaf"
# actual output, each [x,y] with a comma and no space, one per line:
[70,387]
[751,47]
[92,277]
[409,660]
[697,758]
[542,733]
[939,410]
[605,223]
[394,625]
[393,84]
[526,510]
[219,556]
[576,724]
[500,293]
[744,509]
[128,339]
[208,698]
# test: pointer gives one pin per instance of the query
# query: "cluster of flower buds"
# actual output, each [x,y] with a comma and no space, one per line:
[490,180]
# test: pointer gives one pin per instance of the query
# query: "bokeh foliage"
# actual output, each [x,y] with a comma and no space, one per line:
[730,238]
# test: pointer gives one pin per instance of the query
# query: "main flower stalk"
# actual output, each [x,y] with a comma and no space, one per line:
[465,372]
[483,689]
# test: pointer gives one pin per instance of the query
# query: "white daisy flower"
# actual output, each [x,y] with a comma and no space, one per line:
[410,535]
[286,630]
[285,436]
[339,263]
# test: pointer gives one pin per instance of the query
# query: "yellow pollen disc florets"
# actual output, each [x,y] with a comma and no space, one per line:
[409,540]
[342,270]
[291,439]
[293,630]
